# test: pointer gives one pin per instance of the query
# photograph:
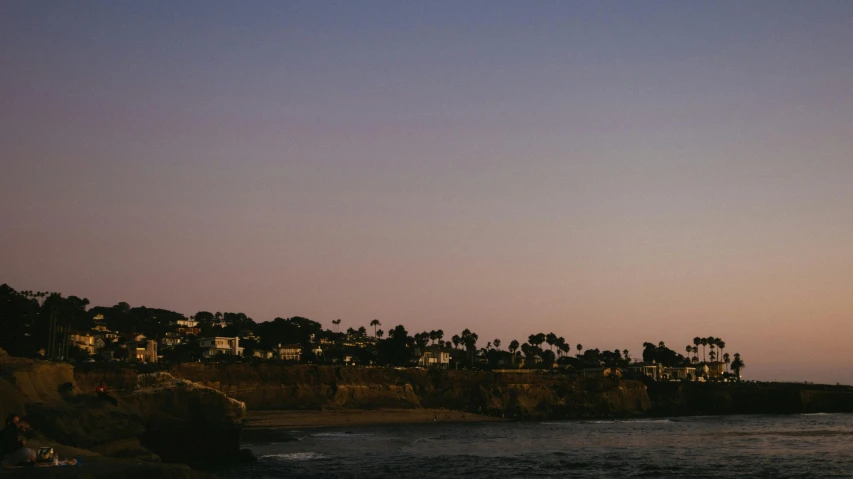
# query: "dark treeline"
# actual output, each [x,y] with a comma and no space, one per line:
[36,324]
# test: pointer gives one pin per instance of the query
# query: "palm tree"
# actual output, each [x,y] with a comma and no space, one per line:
[497,343]
[513,347]
[712,354]
[703,342]
[456,340]
[551,339]
[627,355]
[697,341]
[695,354]
[375,323]
[432,336]
[689,349]
[727,359]
[439,334]
[379,334]
[721,344]
[738,365]
[580,348]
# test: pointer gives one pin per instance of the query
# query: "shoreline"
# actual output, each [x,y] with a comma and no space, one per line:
[300,419]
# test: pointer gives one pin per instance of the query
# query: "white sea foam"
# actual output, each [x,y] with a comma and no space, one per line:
[294,456]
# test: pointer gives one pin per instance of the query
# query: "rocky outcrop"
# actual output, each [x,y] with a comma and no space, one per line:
[187,422]
[160,417]
[45,393]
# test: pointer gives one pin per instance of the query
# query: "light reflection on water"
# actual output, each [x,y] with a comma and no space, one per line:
[724,446]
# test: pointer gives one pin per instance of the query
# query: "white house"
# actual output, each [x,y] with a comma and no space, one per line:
[220,345]
[435,357]
[289,352]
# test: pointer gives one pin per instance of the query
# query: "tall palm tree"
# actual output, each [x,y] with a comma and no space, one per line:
[695,354]
[580,348]
[727,359]
[551,339]
[704,342]
[439,334]
[711,346]
[513,347]
[737,365]
[689,349]
[721,344]
[456,340]
[375,323]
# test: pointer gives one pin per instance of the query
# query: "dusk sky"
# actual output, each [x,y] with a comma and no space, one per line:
[614,172]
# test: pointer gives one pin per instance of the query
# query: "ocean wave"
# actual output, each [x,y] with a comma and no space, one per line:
[340,434]
[294,456]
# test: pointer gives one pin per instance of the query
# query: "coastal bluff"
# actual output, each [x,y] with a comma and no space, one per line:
[511,395]
[507,395]
[125,439]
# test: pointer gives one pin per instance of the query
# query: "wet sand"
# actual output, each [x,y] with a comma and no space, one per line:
[356,417]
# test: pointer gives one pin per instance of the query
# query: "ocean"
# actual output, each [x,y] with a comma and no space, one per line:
[807,445]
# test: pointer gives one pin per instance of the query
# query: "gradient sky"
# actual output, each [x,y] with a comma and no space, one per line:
[615,172]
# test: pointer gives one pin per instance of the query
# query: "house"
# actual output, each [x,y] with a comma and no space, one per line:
[716,369]
[435,357]
[654,371]
[141,351]
[680,372]
[262,353]
[220,345]
[289,352]
[98,317]
[188,331]
[171,340]
[87,342]
[186,323]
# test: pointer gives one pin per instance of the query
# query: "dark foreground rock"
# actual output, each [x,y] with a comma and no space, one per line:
[189,423]
[161,419]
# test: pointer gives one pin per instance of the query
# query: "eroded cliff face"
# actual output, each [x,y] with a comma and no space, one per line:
[511,395]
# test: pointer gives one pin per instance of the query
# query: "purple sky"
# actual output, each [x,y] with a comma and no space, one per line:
[613,172]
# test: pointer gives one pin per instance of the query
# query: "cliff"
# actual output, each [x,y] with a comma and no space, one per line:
[163,418]
[518,395]
[679,399]
[512,395]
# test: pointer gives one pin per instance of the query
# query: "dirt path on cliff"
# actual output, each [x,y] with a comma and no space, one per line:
[356,417]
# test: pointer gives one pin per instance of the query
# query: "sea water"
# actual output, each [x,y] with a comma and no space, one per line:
[819,445]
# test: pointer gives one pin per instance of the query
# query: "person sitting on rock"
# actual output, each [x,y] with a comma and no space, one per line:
[101,390]
[13,448]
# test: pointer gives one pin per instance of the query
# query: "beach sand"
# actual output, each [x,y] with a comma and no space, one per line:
[291,419]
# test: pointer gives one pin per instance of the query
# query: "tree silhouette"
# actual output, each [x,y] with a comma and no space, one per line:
[738,365]
[379,334]
[580,348]
[375,323]
[497,343]
[513,347]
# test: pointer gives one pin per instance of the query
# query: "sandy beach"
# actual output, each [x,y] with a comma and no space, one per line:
[292,419]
